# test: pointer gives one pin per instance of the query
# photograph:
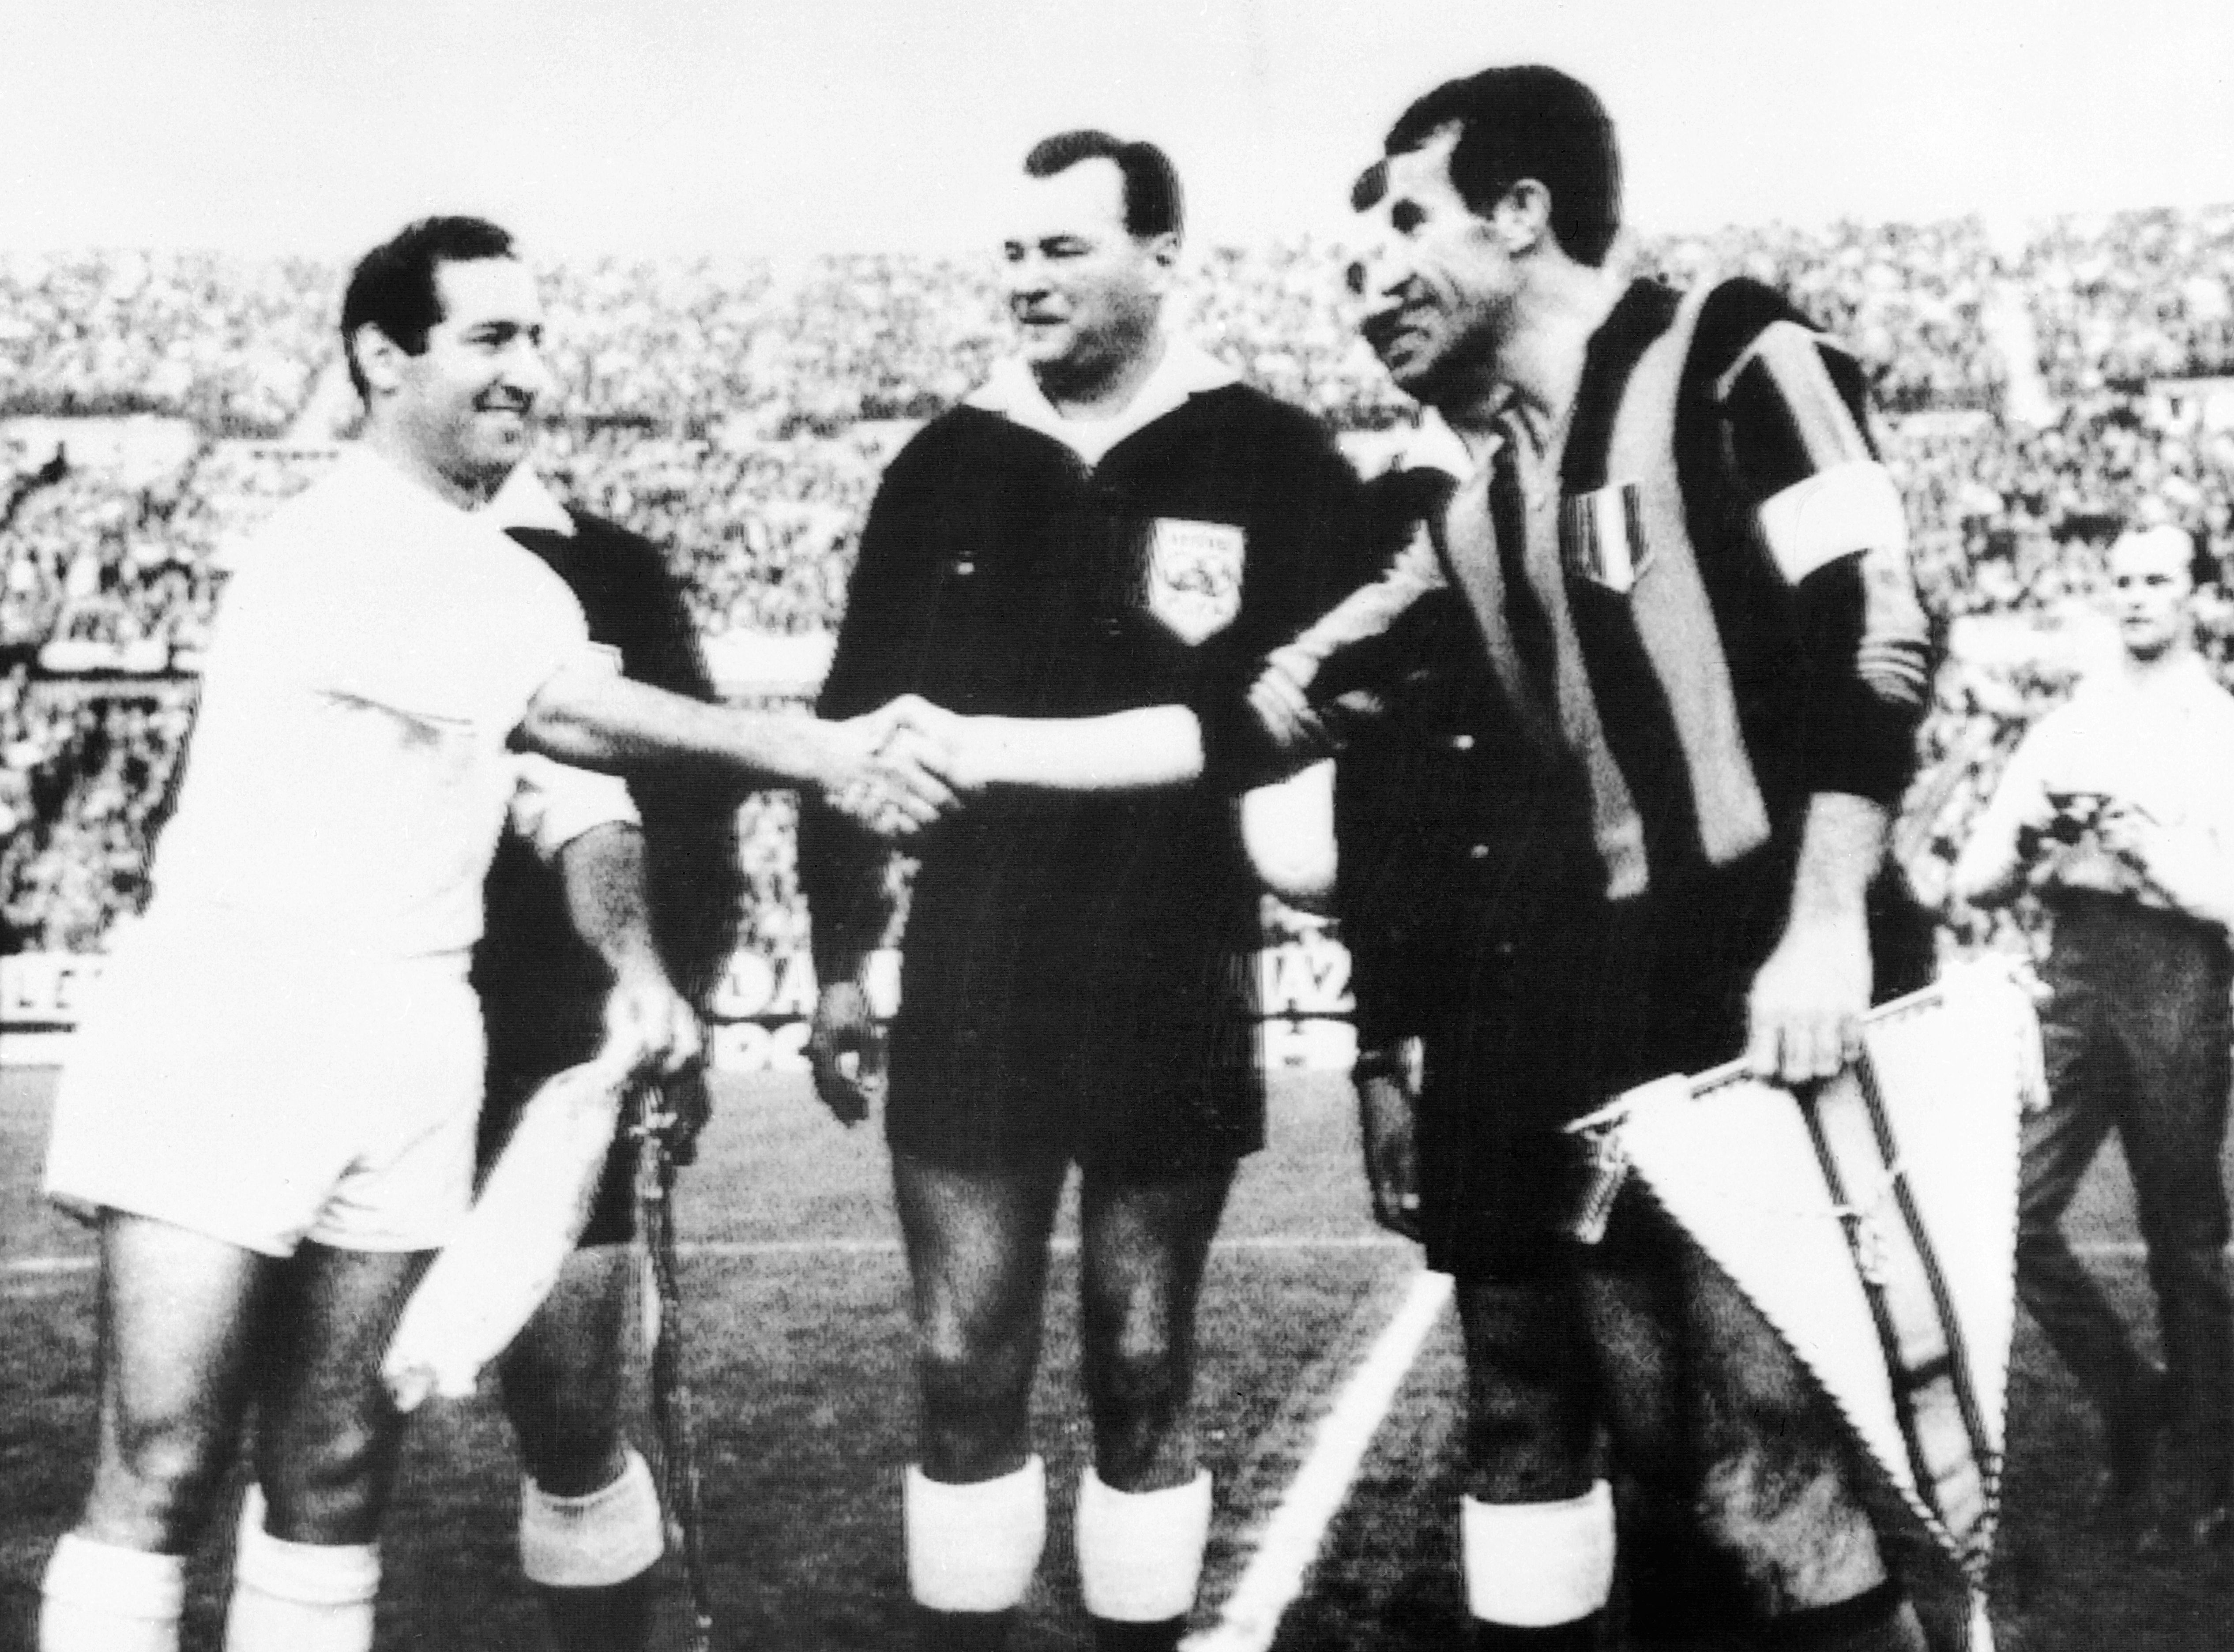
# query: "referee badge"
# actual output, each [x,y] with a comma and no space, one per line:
[1194,576]
[1602,537]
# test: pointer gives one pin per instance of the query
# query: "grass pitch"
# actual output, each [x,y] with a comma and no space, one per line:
[799,1355]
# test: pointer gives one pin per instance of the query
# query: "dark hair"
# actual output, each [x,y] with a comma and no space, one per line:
[2204,571]
[2203,568]
[2202,564]
[1521,121]
[1152,202]
[392,286]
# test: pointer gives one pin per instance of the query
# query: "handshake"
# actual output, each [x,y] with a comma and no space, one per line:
[902,767]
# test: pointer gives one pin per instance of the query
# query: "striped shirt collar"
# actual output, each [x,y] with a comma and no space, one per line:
[1186,370]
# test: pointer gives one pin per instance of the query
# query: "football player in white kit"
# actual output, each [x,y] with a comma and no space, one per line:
[270,1111]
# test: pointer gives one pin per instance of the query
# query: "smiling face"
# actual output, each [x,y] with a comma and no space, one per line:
[462,407]
[1439,283]
[1084,290]
[2151,586]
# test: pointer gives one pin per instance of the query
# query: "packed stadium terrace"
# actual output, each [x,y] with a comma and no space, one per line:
[2036,391]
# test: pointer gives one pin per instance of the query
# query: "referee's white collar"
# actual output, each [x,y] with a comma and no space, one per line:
[526,501]
[1186,370]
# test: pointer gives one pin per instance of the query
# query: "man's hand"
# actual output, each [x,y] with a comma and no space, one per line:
[1803,1015]
[846,1052]
[2183,866]
[645,1015]
[1281,699]
[887,772]
[685,1105]
[1389,1127]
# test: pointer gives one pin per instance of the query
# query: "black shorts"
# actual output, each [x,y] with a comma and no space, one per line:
[524,1052]
[1033,1095]
[1553,1024]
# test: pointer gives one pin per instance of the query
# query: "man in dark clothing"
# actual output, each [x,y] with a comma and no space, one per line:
[590,1528]
[1113,529]
[1656,663]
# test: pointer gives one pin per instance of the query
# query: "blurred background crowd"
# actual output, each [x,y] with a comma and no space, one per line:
[2035,391]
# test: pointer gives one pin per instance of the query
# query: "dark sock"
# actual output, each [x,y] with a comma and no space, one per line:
[616,1618]
[1877,1619]
[1110,1635]
[963,1631]
[1678,1590]
[1580,1635]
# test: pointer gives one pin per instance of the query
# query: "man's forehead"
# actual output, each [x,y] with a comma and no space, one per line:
[2150,551]
[487,288]
[1088,198]
[1422,171]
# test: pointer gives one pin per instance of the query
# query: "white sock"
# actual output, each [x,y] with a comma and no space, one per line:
[974,1548]
[597,1540]
[298,1596]
[97,1597]
[1140,1553]
[1531,1565]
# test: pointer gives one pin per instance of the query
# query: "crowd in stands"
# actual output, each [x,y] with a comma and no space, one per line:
[763,530]
[2138,296]
[233,343]
[1908,299]
[104,572]
[83,779]
[741,415]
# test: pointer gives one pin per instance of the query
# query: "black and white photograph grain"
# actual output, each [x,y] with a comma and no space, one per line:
[1116,825]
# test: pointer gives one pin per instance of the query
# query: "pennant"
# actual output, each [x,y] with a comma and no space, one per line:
[1872,1221]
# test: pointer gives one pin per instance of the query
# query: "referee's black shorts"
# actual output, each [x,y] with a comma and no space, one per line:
[1142,1074]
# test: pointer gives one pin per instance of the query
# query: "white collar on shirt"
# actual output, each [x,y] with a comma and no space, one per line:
[525,501]
[1186,369]
[376,488]
[2185,686]
[371,496]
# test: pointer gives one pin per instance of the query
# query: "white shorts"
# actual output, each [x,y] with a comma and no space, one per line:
[265,1096]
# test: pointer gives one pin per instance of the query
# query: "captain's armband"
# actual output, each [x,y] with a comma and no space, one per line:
[1850,508]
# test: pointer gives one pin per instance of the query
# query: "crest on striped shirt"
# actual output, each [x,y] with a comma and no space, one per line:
[1602,537]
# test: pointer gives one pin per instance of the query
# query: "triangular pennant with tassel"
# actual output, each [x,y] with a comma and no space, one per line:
[1873,1222]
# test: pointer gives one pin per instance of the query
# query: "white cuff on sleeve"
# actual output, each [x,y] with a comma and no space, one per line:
[554,804]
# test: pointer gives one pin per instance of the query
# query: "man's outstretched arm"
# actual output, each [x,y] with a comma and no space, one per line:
[1148,749]
[596,719]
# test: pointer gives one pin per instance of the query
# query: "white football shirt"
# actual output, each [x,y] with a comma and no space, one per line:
[348,775]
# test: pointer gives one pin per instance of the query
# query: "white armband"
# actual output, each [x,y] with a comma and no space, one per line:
[1836,512]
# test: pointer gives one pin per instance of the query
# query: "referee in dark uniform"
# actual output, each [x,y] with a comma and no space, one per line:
[590,1526]
[1112,528]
